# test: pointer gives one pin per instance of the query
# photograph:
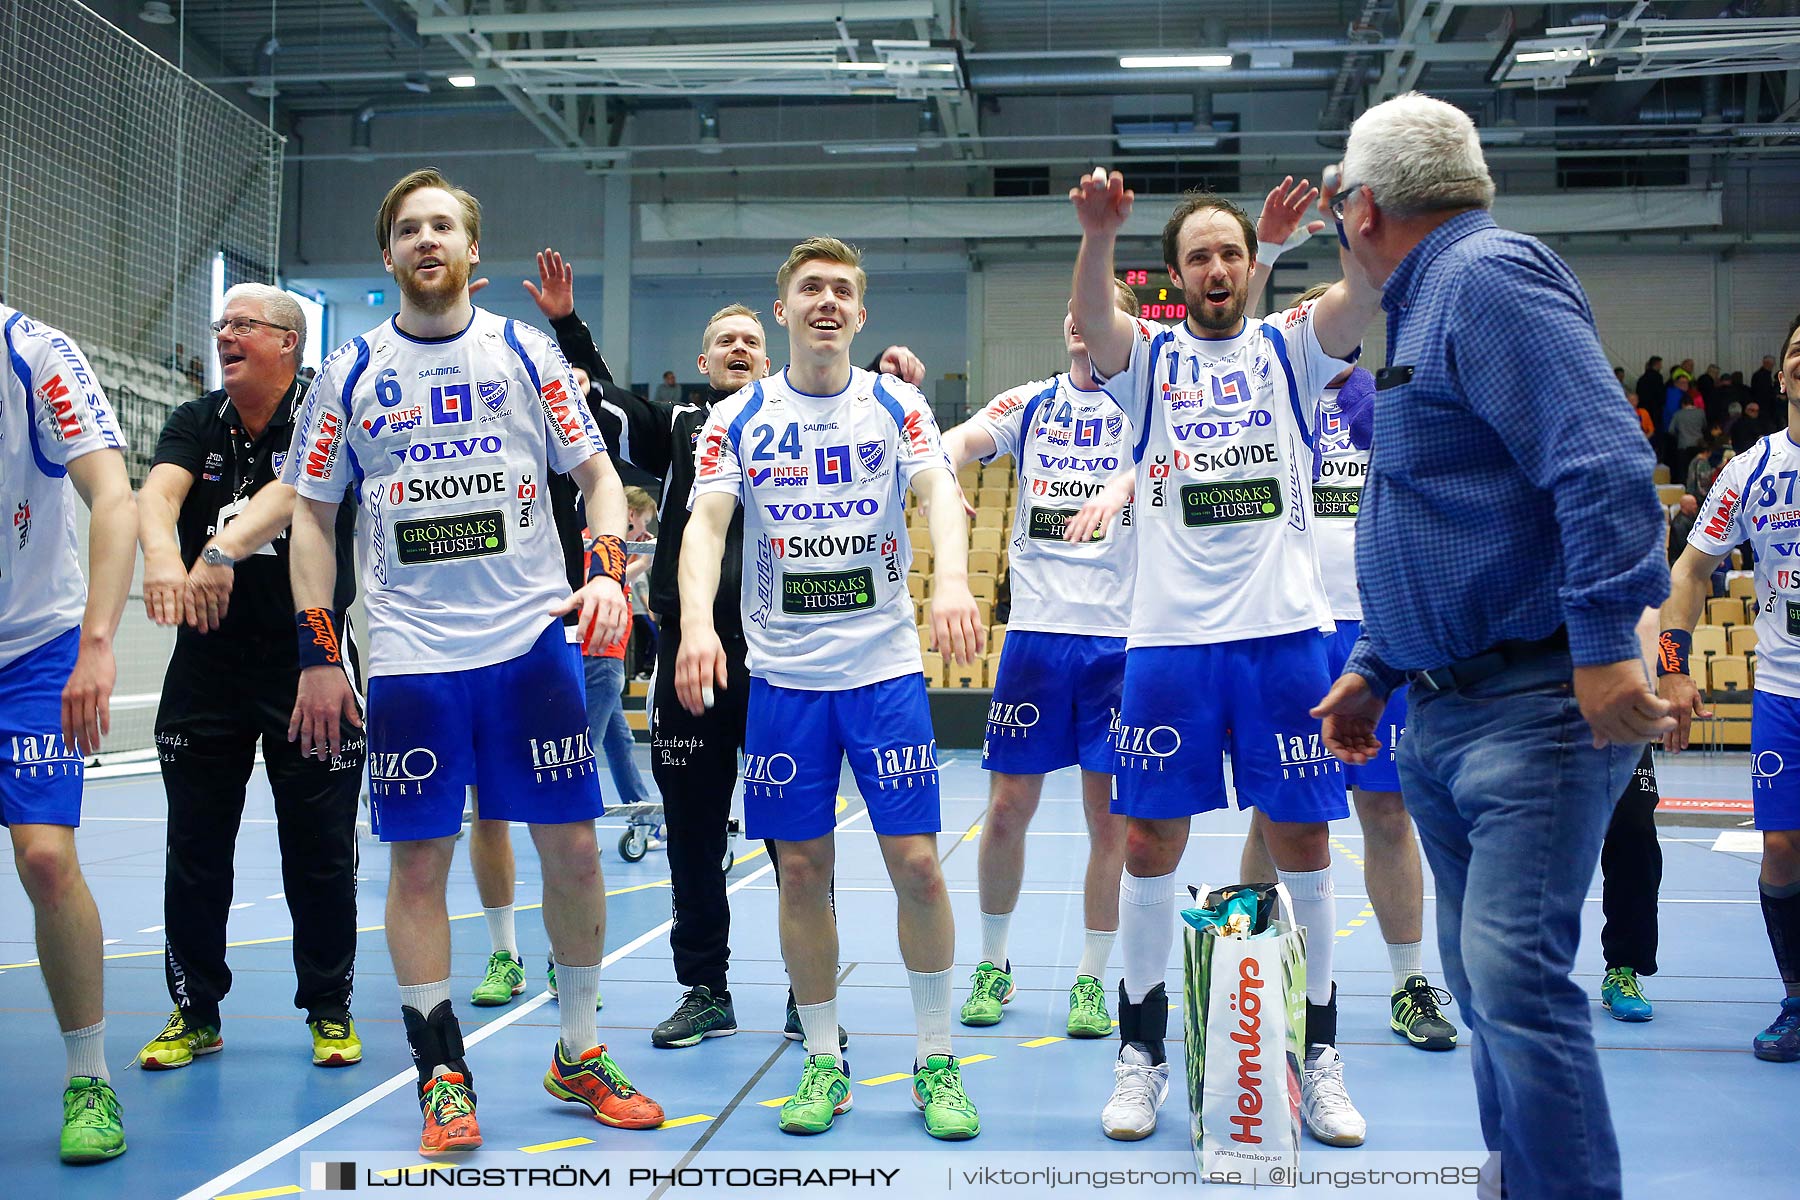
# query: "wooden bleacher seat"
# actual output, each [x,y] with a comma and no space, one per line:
[996,638]
[1661,474]
[1729,673]
[986,609]
[1709,642]
[984,587]
[969,476]
[1670,494]
[966,675]
[992,497]
[984,562]
[1741,639]
[934,668]
[915,585]
[1725,611]
[1741,586]
[986,538]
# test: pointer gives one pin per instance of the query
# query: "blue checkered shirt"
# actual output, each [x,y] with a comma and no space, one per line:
[1509,489]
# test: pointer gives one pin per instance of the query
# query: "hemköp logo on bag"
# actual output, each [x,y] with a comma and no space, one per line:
[1248,1035]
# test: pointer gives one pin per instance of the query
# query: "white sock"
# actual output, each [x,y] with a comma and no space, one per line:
[820,1025]
[86,1049]
[931,1011]
[1096,948]
[577,988]
[1315,907]
[422,998]
[500,929]
[1146,930]
[1407,959]
[994,928]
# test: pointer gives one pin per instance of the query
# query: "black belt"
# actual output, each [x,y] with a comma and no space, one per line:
[1489,662]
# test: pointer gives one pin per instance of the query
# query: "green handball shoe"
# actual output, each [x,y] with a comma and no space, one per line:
[92,1129]
[993,989]
[1088,1017]
[824,1093]
[950,1115]
[505,979]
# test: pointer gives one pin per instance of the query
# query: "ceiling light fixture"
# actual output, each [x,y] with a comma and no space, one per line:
[1151,62]
[462,81]
[156,12]
[870,147]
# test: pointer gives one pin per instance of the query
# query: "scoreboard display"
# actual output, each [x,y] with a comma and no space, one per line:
[1161,300]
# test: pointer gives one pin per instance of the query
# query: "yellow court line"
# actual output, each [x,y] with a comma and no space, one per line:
[678,1122]
[974,1058]
[1036,1042]
[285,1190]
[468,916]
[878,1080]
[777,1102]
[974,832]
[545,1147]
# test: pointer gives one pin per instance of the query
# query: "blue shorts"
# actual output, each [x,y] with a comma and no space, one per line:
[40,774]
[1056,697]
[796,741]
[517,731]
[1774,747]
[1381,773]
[1184,706]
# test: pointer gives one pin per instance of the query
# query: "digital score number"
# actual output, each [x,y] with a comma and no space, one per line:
[1160,300]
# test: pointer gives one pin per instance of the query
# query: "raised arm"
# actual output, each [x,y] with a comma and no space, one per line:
[1102,203]
[1343,313]
[105,487]
[701,665]
[1282,226]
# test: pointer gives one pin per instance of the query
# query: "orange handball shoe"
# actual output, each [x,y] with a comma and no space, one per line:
[449,1116]
[597,1082]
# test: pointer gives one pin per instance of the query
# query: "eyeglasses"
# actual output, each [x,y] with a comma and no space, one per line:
[1342,197]
[241,326]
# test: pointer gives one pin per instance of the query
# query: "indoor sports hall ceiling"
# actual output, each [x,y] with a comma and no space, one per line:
[699,86]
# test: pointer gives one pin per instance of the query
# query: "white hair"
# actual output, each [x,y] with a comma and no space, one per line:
[278,308]
[1418,154]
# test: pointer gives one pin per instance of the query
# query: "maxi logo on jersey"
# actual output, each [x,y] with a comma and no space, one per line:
[563,411]
[65,415]
[321,456]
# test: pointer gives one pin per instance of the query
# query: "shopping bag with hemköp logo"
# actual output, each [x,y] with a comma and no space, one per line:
[1245,1023]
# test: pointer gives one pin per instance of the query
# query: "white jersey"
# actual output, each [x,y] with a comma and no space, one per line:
[1341,462]
[52,412]
[1068,442]
[446,444]
[1222,435]
[823,483]
[1755,499]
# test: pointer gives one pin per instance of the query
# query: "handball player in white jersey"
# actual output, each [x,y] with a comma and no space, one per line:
[820,457]
[1224,653]
[59,439]
[1755,499]
[440,424]
[1056,693]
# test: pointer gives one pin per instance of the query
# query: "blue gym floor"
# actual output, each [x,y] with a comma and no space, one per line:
[1696,1114]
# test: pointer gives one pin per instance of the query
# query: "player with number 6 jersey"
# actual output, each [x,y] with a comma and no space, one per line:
[441,423]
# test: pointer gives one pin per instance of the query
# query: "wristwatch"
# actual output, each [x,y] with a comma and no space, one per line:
[212,556]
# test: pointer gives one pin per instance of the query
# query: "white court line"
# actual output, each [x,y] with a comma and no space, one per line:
[152,929]
[242,904]
[388,1087]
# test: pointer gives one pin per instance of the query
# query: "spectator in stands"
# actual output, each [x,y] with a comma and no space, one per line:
[1619,374]
[668,391]
[1705,467]
[1714,395]
[214,531]
[196,374]
[1687,426]
[1762,384]
[1675,398]
[1683,371]
[177,361]
[1681,525]
[1645,421]
[1651,389]
[1749,428]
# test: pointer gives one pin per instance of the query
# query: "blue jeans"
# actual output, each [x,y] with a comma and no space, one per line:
[1512,803]
[606,718]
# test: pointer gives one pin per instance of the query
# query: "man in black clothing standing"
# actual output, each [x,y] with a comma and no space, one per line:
[693,758]
[1762,384]
[214,530]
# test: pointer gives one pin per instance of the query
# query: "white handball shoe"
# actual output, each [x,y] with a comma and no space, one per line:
[1139,1089]
[1330,1117]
